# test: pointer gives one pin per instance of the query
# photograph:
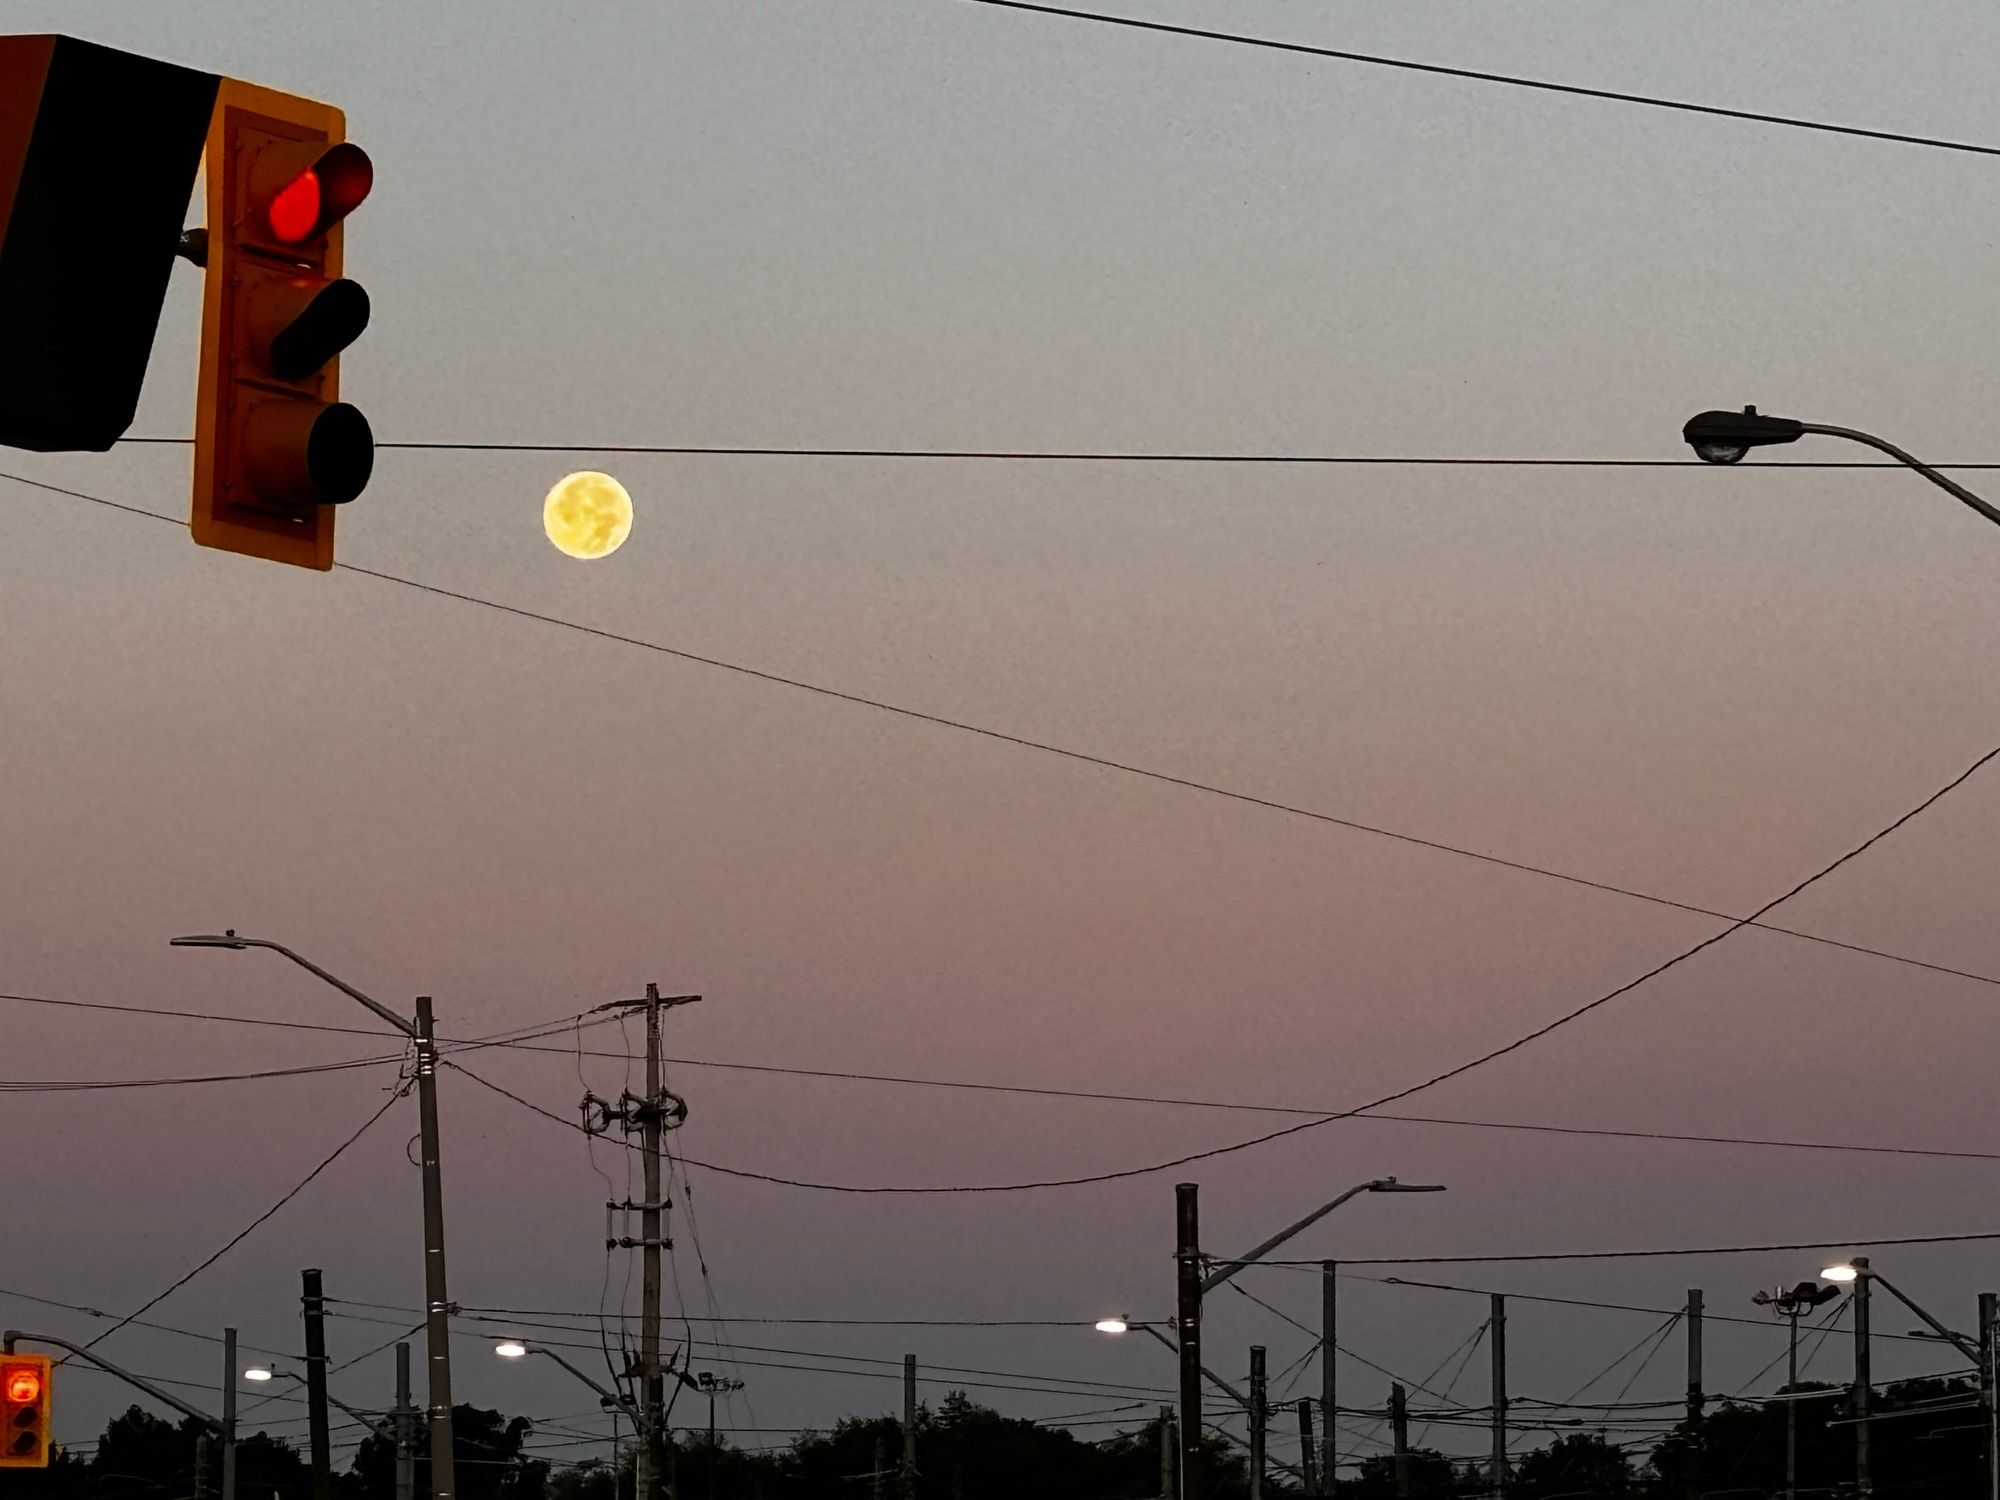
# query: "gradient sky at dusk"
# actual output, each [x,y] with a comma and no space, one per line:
[923,223]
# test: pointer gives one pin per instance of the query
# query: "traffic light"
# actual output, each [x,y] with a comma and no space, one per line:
[24,1411]
[98,152]
[275,448]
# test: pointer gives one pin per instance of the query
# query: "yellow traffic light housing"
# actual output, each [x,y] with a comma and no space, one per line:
[25,1391]
[275,448]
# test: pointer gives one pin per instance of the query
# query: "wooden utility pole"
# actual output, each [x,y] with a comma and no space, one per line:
[1696,1400]
[1328,1352]
[906,1476]
[1166,1453]
[1308,1454]
[1497,1334]
[405,1416]
[1260,1421]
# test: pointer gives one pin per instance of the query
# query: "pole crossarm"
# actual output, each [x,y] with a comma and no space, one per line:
[9,1338]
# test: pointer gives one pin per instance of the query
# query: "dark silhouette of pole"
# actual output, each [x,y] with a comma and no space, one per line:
[1497,1336]
[1864,1481]
[1260,1421]
[1399,1424]
[321,1451]
[1187,1262]
[1308,1454]
[1329,1306]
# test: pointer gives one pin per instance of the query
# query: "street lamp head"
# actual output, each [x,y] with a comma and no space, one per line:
[228,939]
[1843,1272]
[510,1349]
[1725,437]
[258,1373]
[1113,1325]
[1391,1185]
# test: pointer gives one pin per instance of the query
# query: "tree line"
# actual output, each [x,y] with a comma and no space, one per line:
[1928,1443]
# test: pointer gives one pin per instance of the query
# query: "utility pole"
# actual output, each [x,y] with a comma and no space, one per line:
[1989,1308]
[229,1414]
[1187,1264]
[1792,1406]
[1864,1481]
[907,1476]
[1497,1335]
[1166,1453]
[201,1466]
[405,1417]
[315,1314]
[1695,1400]
[651,1116]
[437,1302]
[875,1473]
[1308,1454]
[1328,1352]
[1259,1421]
[1399,1419]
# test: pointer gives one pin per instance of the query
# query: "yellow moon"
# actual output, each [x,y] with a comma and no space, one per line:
[588,515]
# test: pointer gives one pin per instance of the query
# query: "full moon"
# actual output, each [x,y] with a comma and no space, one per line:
[588,515]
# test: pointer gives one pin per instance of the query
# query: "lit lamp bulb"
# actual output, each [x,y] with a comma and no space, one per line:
[258,1373]
[511,1349]
[1839,1273]
[1112,1325]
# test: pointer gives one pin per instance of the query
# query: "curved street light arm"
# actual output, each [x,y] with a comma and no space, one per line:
[623,1403]
[1958,1341]
[1228,1268]
[1949,486]
[231,940]
[77,1351]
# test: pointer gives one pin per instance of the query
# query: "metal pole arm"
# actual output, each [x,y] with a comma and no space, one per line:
[8,1339]
[231,940]
[1228,1268]
[621,1401]
[1213,1379]
[1958,1341]
[1951,487]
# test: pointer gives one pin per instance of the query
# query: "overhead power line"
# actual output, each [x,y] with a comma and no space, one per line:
[1077,756]
[1511,80]
[1736,924]
[1240,1106]
[248,1229]
[1491,1055]
[1073,456]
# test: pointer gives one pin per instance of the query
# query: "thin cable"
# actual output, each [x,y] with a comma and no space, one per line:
[1551,1255]
[245,1232]
[1735,924]
[1471,1348]
[1078,756]
[1099,1096]
[1491,1055]
[190,1333]
[1511,80]
[1036,456]
[1647,1338]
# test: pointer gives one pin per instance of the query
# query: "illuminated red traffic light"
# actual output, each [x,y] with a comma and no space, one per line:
[24,1412]
[24,1386]
[295,208]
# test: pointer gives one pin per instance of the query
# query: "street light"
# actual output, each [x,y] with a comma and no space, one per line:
[1192,1285]
[1789,1305]
[437,1330]
[1726,437]
[394,1429]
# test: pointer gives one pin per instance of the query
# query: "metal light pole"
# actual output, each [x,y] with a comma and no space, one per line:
[1725,437]
[1192,1286]
[437,1330]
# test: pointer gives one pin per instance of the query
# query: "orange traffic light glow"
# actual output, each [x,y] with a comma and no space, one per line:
[24,1386]
[295,208]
